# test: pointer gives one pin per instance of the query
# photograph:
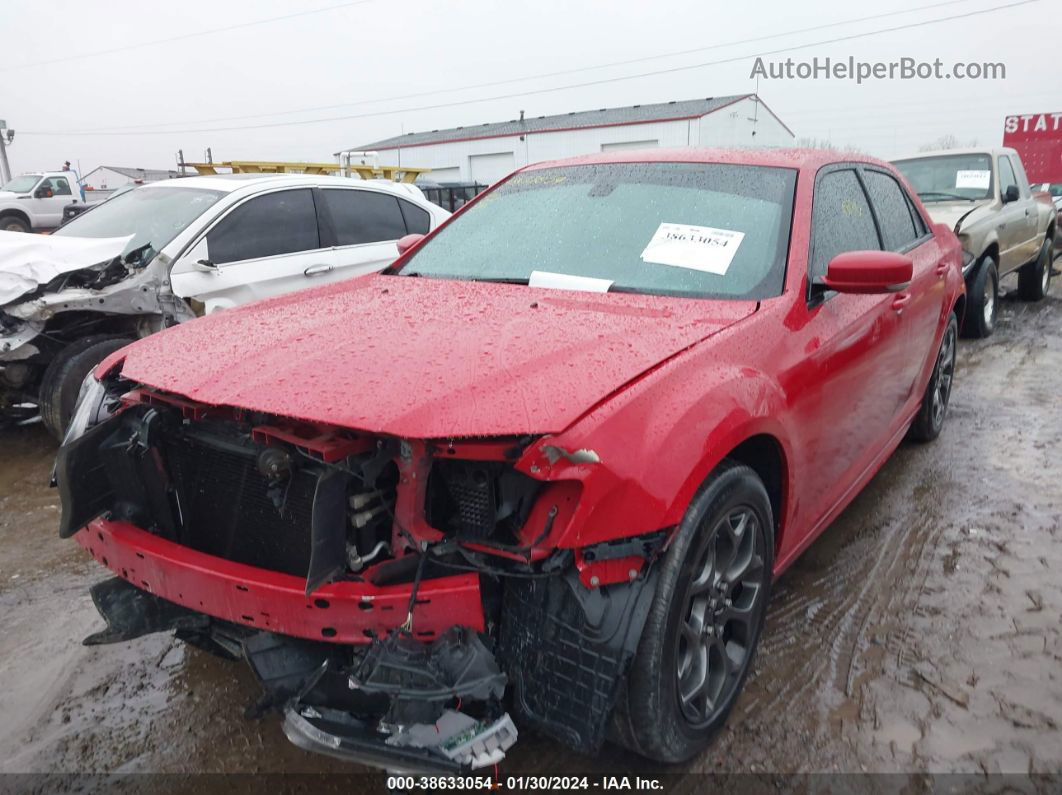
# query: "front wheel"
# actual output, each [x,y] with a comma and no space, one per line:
[704,622]
[1034,279]
[62,378]
[12,223]
[981,290]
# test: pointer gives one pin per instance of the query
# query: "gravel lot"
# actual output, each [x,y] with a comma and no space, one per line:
[921,632]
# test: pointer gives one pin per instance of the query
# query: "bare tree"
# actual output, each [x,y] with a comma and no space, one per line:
[826,143]
[946,141]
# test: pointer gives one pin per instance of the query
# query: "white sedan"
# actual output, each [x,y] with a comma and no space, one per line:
[171,250]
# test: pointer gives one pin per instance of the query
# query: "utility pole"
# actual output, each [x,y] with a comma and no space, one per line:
[5,169]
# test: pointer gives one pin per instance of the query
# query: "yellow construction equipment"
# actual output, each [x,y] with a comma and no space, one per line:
[365,171]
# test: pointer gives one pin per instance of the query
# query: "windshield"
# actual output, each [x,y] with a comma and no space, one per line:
[23,184]
[153,216]
[949,177]
[704,230]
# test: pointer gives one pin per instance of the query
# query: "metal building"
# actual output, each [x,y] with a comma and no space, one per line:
[112,177]
[486,152]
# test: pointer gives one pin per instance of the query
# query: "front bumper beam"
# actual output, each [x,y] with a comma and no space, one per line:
[342,612]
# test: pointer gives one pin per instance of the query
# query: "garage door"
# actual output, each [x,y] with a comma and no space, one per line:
[440,175]
[487,169]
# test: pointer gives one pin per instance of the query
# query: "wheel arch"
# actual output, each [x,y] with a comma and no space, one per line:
[20,214]
[959,308]
[71,325]
[991,250]
[760,445]
[764,455]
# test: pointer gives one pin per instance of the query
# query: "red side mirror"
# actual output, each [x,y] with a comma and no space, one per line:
[407,242]
[868,272]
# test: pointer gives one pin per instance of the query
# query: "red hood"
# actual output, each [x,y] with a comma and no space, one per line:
[426,358]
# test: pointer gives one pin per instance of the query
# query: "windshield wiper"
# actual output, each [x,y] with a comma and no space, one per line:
[456,278]
[502,279]
[923,194]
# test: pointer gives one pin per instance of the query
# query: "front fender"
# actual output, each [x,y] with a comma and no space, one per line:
[642,456]
[979,244]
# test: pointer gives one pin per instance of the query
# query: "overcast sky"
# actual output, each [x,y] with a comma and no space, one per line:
[365,59]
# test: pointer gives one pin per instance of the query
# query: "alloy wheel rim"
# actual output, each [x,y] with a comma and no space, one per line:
[945,376]
[718,624]
[1045,276]
[990,299]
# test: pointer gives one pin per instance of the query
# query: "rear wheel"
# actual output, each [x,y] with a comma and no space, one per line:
[705,620]
[981,290]
[12,223]
[930,420]
[1034,279]
[63,376]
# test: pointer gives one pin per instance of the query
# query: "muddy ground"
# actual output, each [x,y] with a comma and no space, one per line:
[921,632]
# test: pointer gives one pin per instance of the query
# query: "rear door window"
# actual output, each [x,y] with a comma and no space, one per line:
[417,219]
[894,211]
[920,222]
[841,220]
[363,216]
[284,222]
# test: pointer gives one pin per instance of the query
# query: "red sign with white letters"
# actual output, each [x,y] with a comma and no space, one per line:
[1038,139]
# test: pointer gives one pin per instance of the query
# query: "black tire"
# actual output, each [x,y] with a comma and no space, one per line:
[930,418]
[62,378]
[12,223]
[1034,279]
[652,717]
[982,294]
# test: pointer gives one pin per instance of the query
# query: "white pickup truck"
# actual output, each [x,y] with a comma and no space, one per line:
[35,202]
[169,251]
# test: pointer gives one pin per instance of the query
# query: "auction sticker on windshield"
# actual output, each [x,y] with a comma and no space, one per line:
[973,179]
[701,248]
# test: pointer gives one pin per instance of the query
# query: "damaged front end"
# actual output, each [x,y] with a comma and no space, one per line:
[397,599]
[50,299]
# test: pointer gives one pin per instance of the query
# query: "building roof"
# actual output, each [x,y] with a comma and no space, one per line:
[605,117]
[146,174]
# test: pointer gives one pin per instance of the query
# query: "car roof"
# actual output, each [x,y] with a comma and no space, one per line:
[803,159]
[994,151]
[229,183]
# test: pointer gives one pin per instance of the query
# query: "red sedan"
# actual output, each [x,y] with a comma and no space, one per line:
[549,462]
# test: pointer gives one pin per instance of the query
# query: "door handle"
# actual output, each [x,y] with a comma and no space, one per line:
[313,270]
[900,301]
